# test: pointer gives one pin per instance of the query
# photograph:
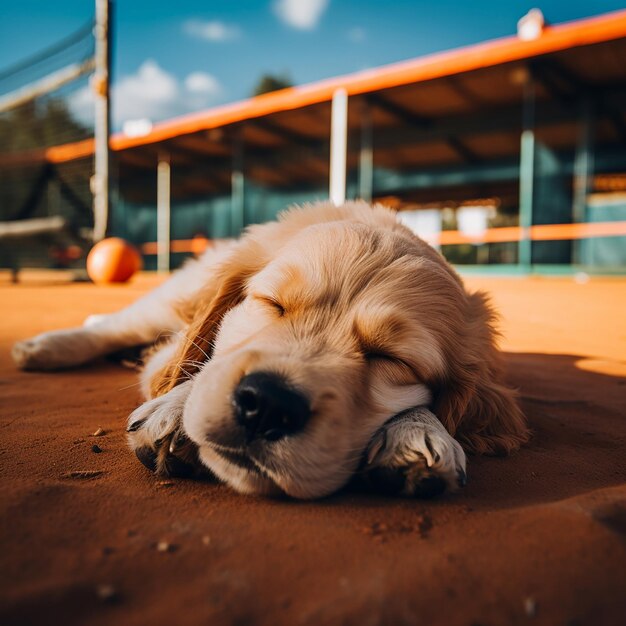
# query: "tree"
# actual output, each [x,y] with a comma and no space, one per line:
[39,124]
[25,175]
[270,82]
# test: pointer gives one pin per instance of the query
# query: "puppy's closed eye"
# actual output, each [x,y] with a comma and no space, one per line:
[374,354]
[271,303]
[390,367]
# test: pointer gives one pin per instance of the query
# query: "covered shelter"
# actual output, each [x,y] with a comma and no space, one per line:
[509,153]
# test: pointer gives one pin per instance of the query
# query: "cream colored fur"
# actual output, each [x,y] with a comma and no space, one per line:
[347,305]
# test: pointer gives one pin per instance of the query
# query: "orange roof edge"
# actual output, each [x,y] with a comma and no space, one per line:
[588,31]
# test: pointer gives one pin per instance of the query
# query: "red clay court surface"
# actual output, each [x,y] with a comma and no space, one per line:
[538,538]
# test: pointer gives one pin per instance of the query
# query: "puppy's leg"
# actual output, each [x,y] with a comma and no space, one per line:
[413,455]
[143,322]
[155,434]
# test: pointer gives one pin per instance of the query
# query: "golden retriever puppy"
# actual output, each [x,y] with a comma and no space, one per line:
[330,343]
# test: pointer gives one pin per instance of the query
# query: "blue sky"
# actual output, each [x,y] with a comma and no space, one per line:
[175,56]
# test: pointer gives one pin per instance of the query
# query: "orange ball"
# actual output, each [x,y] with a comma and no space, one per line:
[199,244]
[112,260]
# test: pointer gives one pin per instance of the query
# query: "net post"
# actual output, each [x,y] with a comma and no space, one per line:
[102,130]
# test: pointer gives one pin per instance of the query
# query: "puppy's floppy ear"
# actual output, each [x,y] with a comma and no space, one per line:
[206,311]
[473,403]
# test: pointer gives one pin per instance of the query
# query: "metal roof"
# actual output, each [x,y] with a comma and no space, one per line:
[392,79]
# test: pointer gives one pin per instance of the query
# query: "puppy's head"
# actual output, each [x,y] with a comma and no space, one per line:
[318,333]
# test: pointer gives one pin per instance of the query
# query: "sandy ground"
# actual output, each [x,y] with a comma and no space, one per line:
[538,538]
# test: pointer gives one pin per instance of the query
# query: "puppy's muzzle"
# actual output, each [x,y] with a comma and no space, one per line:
[267,408]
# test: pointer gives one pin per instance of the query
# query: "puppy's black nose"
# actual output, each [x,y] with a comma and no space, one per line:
[267,408]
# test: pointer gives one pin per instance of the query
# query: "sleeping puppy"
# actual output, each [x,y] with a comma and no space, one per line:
[330,343]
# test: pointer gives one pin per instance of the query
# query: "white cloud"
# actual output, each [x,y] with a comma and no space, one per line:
[137,128]
[212,30]
[357,34]
[81,104]
[201,82]
[201,90]
[152,93]
[300,14]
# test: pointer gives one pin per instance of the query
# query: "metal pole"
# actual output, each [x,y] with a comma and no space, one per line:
[527,173]
[338,147]
[237,186]
[583,169]
[101,84]
[163,213]
[366,155]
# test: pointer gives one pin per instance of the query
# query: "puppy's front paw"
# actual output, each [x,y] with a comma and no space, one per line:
[55,350]
[413,455]
[26,355]
[43,352]
[156,435]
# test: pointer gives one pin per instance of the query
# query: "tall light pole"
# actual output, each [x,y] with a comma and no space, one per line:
[101,86]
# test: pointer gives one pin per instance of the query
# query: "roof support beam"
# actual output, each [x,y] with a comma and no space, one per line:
[487,122]
[399,112]
[491,121]
[421,122]
[556,87]
[186,156]
[237,185]
[286,134]
[617,121]
[583,173]
[366,154]
[140,184]
[527,174]
[338,147]
[570,80]
[567,88]
[136,158]
[464,92]
[164,210]
[199,145]
[467,154]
